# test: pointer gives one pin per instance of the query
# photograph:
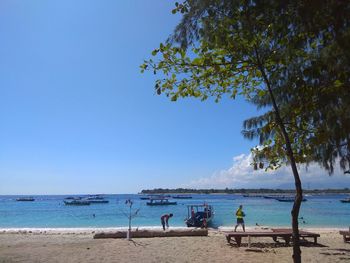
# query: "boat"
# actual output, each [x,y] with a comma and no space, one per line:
[145,197]
[346,200]
[288,199]
[199,215]
[252,195]
[160,201]
[155,196]
[25,199]
[77,202]
[73,198]
[95,197]
[182,197]
[273,196]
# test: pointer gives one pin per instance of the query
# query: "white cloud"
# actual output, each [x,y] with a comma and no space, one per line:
[242,175]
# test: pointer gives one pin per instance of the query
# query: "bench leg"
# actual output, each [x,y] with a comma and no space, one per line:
[287,240]
[315,240]
[238,241]
[228,238]
[249,241]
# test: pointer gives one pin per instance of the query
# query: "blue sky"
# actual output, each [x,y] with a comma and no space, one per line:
[77,116]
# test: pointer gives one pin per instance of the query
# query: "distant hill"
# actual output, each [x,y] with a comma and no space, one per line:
[240,191]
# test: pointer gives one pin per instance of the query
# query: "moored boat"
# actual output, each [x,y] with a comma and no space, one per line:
[199,215]
[25,199]
[288,199]
[160,201]
[77,202]
[346,200]
[73,198]
[95,197]
[182,196]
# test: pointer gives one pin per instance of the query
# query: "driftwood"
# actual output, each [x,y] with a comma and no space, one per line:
[153,233]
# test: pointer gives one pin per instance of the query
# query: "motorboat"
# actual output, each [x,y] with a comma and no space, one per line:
[200,215]
[95,197]
[73,198]
[346,200]
[77,202]
[182,196]
[160,201]
[25,199]
[288,199]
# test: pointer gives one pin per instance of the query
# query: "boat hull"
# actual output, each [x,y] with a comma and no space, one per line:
[25,199]
[164,203]
[289,200]
[76,203]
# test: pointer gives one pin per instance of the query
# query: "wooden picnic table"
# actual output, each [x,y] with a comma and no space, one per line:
[283,233]
[237,236]
[303,234]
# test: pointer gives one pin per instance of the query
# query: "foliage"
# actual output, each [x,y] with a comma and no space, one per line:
[240,47]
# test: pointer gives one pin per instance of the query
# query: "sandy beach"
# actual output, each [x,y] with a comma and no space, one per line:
[79,246]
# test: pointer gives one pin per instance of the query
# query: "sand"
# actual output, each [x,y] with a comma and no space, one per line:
[79,246]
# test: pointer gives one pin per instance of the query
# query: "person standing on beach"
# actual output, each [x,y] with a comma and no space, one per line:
[164,219]
[240,214]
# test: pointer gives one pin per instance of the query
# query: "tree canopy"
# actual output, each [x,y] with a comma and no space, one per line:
[301,48]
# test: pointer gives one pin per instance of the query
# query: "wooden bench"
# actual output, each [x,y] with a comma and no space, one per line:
[303,234]
[284,233]
[346,235]
[237,236]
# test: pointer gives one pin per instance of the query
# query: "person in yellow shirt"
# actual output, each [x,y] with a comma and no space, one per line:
[240,214]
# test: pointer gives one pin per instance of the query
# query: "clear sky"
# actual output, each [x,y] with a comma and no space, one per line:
[77,116]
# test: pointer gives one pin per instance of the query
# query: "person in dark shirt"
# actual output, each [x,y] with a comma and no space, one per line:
[164,219]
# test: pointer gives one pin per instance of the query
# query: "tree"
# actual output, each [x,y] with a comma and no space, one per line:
[130,215]
[277,57]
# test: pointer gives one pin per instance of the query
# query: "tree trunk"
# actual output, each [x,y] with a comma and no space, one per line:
[299,192]
[298,188]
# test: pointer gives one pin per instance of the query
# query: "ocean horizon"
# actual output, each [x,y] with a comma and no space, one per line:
[50,212]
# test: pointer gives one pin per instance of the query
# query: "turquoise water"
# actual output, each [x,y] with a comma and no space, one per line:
[50,212]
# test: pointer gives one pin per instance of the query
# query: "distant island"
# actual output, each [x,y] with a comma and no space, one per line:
[241,191]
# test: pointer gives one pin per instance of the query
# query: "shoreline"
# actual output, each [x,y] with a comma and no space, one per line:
[92,230]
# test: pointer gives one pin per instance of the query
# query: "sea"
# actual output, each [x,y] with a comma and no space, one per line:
[49,211]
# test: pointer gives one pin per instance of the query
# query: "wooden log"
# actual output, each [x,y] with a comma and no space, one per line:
[153,233]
